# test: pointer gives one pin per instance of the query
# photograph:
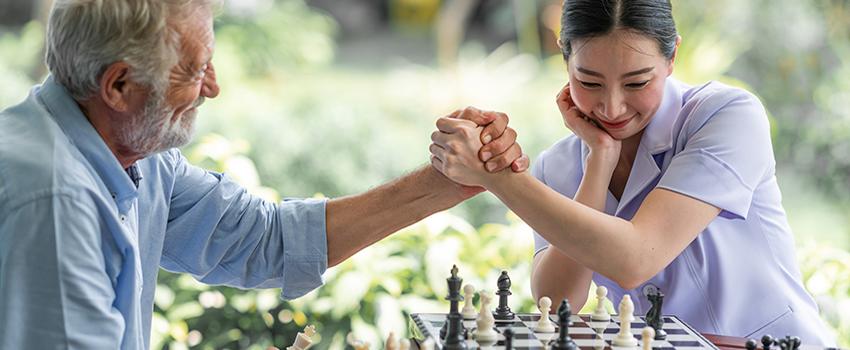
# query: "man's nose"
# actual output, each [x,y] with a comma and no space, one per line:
[210,88]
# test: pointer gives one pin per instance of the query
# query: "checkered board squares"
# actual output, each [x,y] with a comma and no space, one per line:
[588,335]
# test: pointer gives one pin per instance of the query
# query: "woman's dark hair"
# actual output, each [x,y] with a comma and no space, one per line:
[589,18]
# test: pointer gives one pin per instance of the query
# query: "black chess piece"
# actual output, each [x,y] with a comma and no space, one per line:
[654,318]
[783,343]
[795,342]
[789,343]
[503,311]
[453,297]
[751,344]
[766,341]
[564,341]
[453,337]
[509,338]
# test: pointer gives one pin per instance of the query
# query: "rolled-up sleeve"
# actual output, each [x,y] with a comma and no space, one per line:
[221,234]
[727,153]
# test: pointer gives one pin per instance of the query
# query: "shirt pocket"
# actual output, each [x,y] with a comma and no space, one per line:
[760,329]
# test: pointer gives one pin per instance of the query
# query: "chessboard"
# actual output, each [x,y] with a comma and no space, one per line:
[588,335]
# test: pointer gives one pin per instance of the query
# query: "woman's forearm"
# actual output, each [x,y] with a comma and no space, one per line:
[554,273]
[601,242]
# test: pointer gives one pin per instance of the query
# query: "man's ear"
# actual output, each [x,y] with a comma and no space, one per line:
[115,86]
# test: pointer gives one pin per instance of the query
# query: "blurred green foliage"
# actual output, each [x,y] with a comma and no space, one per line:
[293,120]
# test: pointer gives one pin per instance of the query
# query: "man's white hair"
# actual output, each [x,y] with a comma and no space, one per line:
[84,37]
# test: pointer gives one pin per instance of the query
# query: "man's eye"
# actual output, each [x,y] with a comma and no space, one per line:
[637,85]
[589,84]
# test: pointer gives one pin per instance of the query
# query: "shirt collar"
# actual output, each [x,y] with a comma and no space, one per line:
[82,134]
[658,135]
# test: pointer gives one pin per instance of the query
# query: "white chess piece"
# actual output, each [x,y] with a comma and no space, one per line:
[601,313]
[356,343]
[428,344]
[625,338]
[303,340]
[484,332]
[404,344]
[392,342]
[544,325]
[468,311]
[646,337]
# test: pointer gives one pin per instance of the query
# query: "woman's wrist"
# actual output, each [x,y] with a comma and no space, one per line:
[495,182]
[604,159]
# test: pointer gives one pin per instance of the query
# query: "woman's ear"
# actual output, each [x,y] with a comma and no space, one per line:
[675,52]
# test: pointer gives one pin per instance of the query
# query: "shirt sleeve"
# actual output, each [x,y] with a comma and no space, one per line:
[54,289]
[727,153]
[223,235]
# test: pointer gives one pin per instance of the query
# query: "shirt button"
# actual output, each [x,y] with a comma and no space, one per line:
[123,218]
[649,289]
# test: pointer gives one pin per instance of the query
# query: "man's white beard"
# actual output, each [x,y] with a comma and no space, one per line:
[152,130]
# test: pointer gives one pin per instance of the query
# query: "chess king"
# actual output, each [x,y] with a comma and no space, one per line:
[660,183]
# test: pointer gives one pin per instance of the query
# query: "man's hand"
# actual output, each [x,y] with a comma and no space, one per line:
[500,149]
[455,151]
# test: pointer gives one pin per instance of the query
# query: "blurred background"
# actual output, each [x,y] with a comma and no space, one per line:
[328,98]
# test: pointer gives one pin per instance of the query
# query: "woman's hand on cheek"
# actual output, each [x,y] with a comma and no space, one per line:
[596,138]
[454,151]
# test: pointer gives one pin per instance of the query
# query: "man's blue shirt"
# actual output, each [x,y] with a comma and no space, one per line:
[81,244]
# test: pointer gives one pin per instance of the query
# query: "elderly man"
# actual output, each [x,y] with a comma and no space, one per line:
[94,197]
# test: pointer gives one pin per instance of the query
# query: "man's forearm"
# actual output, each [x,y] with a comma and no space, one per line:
[357,221]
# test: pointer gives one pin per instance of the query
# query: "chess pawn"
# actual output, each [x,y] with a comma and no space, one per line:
[358,344]
[646,337]
[544,325]
[509,338]
[625,338]
[468,311]
[392,342]
[428,344]
[303,340]
[601,313]
[767,341]
[484,332]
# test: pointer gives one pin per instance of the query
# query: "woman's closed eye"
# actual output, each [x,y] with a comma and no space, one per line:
[637,85]
[589,85]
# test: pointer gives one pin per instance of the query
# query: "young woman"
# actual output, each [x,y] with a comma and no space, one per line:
[661,186]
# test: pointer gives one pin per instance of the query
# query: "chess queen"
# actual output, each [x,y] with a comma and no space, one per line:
[662,184]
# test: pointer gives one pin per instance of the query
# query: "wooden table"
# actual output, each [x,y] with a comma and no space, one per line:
[725,342]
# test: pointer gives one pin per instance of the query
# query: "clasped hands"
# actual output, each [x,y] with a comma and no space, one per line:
[472,144]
